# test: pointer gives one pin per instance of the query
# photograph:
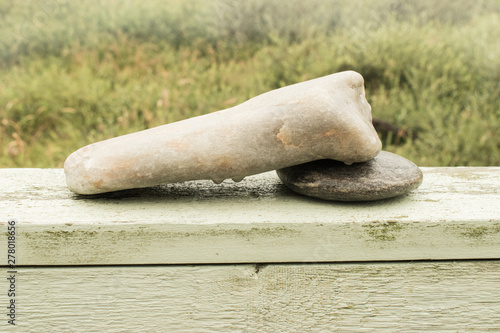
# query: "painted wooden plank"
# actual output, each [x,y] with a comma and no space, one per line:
[390,297]
[455,214]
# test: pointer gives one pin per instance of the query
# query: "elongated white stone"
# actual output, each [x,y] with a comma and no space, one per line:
[324,118]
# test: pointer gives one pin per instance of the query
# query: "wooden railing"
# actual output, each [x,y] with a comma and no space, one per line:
[252,256]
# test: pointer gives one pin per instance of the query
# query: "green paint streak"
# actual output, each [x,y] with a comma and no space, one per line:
[480,232]
[383,231]
[81,234]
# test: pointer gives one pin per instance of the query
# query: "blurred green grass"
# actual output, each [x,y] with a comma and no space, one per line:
[72,73]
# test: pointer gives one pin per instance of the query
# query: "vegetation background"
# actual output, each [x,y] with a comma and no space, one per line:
[76,72]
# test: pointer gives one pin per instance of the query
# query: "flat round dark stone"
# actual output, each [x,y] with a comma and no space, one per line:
[385,176]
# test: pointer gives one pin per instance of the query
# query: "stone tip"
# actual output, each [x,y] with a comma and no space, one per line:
[75,172]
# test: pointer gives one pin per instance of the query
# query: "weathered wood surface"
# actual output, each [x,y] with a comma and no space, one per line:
[385,297]
[455,214]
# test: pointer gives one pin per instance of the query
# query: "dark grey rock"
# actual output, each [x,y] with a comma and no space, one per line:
[385,176]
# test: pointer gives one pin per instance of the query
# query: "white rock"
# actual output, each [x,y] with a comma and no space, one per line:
[324,118]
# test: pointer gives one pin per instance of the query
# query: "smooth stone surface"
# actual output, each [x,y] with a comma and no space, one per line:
[386,176]
[324,118]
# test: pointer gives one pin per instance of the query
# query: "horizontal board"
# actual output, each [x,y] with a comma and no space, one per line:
[455,214]
[389,297]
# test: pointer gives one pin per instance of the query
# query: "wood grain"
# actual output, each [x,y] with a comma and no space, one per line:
[390,297]
[455,214]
